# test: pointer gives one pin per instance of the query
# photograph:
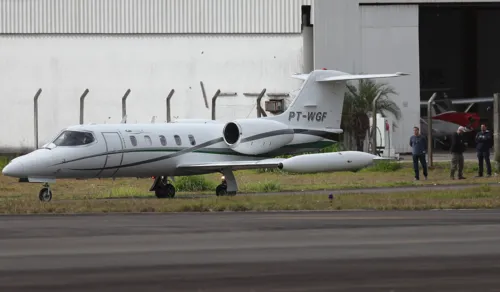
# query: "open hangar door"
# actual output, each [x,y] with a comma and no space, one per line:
[459,55]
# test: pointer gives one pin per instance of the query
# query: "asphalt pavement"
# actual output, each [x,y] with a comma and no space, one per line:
[277,251]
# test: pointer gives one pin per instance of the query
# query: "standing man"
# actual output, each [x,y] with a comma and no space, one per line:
[419,148]
[457,153]
[483,144]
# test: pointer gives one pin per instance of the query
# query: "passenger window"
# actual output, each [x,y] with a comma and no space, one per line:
[148,140]
[74,138]
[163,140]
[191,139]
[133,140]
[177,140]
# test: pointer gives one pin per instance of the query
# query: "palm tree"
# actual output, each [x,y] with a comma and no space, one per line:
[357,107]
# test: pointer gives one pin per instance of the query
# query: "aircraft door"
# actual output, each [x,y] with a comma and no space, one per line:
[114,147]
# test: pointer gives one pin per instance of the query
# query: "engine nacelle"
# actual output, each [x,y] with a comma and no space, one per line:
[328,162]
[256,136]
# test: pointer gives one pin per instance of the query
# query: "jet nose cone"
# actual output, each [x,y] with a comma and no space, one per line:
[15,169]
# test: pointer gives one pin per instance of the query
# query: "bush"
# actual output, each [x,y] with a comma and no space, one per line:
[384,166]
[195,183]
[263,187]
[3,161]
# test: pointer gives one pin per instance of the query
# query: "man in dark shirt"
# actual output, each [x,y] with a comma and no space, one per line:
[418,145]
[457,153]
[483,145]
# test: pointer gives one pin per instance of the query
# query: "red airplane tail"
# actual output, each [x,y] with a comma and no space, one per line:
[468,120]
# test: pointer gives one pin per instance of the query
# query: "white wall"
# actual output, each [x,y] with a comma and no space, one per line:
[63,66]
[389,43]
[373,39]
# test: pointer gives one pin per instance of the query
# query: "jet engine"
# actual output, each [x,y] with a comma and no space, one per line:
[256,136]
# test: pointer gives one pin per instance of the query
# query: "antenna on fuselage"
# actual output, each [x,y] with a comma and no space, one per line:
[153,119]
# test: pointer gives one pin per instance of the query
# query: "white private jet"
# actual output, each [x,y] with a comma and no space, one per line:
[199,147]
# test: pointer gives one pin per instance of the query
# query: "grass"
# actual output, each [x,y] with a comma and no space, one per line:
[382,174]
[480,197]
[21,198]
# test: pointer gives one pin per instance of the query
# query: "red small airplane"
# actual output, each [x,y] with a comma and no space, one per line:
[447,121]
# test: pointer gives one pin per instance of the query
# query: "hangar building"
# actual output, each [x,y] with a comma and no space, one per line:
[64,47]
[448,47]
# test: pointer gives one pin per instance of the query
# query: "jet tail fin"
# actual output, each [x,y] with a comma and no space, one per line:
[319,102]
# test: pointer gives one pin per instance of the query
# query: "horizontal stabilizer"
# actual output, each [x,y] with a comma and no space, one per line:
[346,77]
[301,76]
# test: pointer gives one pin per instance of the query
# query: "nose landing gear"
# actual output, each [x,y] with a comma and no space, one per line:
[45,194]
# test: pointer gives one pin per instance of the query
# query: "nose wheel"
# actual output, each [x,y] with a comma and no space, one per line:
[45,194]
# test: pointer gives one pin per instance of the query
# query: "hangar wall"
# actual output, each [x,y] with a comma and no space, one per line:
[64,66]
[151,47]
[373,39]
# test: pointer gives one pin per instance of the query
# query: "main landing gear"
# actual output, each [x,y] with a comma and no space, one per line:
[163,188]
[228,186]
[45,194]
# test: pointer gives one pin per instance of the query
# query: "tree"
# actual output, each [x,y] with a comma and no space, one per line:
[357,107]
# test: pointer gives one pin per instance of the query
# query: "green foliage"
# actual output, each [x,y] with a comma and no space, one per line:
[195,183]
[333,148]
[264,187]
[3,162]
[358,104]
[384,166]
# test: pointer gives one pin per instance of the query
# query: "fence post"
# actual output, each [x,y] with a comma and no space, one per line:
[82,101]
[374,124]
[124,105]
[496,130]
[168,104]
[203,92]
[37,95]
[260,111]
[429,129]
[213,103]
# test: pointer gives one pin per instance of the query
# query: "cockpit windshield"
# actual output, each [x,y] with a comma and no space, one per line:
[74,138]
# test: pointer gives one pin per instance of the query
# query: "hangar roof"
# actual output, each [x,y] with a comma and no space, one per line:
[152,16]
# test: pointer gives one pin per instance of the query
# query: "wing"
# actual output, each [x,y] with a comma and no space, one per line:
[233,165]
[360,76]
[472,100]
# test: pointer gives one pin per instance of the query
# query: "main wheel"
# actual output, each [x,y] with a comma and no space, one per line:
[170,190]
[45,195]
[165,191]
[221,190]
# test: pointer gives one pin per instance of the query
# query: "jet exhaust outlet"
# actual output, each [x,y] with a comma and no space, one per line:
[231,133]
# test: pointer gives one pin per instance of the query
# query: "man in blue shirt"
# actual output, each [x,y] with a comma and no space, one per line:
[418,144]
[484,142]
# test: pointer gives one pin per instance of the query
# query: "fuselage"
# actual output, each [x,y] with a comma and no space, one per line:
[139,150]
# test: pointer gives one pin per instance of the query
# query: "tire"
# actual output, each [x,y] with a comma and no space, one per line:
[221,190]
[165,191]
[45,195]
[170,191]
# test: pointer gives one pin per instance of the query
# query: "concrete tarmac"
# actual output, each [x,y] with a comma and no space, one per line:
[277,251]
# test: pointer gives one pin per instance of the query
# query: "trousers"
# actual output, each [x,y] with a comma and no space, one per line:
[484,156]
[457,162]
[416,159]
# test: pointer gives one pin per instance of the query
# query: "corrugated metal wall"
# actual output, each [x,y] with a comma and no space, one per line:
[151,16]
